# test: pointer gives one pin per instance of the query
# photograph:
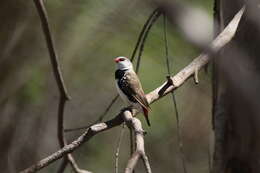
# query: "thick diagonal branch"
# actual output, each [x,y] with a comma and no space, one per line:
[219,42]
[222,39]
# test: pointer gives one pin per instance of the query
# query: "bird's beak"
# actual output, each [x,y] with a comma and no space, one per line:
[116,60]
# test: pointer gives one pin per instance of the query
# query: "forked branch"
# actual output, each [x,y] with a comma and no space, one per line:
[136,125]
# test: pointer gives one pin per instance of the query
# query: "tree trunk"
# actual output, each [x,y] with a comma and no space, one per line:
[236,86]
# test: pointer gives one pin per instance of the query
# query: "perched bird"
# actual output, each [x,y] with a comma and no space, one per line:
[129,87]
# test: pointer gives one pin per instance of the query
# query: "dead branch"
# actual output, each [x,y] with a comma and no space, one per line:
[92,131]
[136,125]
[219,42]
[53,55]
[222,39]
[74,165]
[60,83]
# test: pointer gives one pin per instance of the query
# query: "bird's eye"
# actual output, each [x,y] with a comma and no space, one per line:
[121,59]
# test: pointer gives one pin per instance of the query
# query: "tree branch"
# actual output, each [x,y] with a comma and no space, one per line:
[92,131]
[219,42]
[53,55]
[75,166]
[136,125]
[60,83]
[176,81]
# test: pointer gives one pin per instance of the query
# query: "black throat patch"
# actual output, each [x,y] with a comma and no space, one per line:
[119,74]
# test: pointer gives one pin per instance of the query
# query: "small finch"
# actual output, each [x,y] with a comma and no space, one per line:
[129,87]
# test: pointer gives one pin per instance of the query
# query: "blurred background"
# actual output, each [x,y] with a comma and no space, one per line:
[88,35]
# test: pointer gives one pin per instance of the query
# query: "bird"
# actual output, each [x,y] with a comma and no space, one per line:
[129,86]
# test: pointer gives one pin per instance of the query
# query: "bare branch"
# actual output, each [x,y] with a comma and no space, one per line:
[75,166]
[223,38]
[61,137]
[143,31]
[136,125]
[57,74]
[219,42]
[53,55]
[153,19]
[60,83]
[92,131]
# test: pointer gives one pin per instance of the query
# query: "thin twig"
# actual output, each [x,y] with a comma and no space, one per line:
[222,39]
[144,29]
[74,165]
[153,20]
[179,139]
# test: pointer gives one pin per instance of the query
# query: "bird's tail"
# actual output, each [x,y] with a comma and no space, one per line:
[145,110]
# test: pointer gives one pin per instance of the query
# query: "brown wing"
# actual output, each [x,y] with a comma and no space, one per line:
[135,87]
